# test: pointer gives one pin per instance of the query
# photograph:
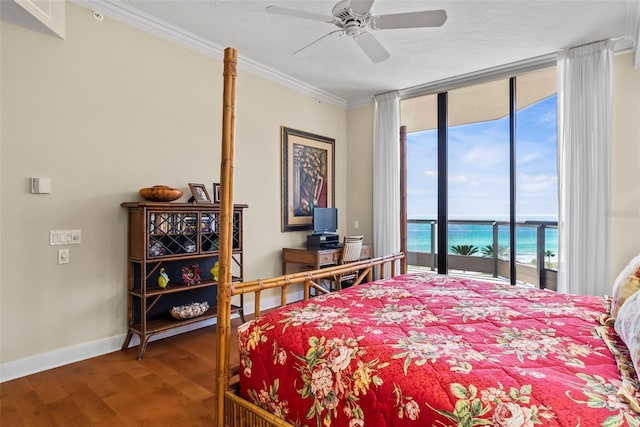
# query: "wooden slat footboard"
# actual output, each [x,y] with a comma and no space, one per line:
[240,412]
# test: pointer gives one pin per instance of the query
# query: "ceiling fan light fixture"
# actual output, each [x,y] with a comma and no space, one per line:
[352,28]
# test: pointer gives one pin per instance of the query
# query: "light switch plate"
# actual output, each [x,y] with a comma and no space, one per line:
[65,237]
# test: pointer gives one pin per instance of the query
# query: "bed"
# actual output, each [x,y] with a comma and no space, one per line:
[431,350]
[419,349]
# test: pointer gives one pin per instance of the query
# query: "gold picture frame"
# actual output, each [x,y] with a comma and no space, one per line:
[308,177]
[199,192]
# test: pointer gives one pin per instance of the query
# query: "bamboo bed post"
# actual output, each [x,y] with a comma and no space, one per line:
[223,324]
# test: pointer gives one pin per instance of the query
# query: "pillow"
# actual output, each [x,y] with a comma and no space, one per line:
[628,390]
[627,283]
[628,327]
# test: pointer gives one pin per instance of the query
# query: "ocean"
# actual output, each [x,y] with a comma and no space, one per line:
[481,235]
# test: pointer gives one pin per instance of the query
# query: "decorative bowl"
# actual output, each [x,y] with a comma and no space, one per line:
[190,310]
[160,193]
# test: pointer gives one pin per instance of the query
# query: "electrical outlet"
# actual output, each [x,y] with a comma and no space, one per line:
[63,256]
[356,224]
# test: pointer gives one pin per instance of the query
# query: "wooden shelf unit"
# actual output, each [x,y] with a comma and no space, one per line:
[174,236]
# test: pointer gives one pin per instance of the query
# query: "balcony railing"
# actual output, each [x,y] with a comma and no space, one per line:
[537,270]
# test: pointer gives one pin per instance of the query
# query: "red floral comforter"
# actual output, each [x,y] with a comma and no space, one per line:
[430,350]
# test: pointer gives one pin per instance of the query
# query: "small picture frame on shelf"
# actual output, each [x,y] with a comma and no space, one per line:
[216,192]
[199,192]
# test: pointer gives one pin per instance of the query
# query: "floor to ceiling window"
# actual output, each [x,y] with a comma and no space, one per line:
[478,151]
[422,178]
[500,178]
[536,164]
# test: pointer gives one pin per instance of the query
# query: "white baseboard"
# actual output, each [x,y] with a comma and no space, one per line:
[53,359]
[64,356]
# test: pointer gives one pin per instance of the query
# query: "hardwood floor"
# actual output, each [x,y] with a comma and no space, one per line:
[174,385]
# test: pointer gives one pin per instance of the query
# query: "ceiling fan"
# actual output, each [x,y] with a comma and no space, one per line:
[353,18]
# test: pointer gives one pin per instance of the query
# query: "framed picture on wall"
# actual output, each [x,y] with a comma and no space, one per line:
[307,177]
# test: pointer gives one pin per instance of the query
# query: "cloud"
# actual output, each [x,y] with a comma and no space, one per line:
[431,174]
[416,191]
[536,183]
[485,155]
[550,117]
[528,158]
[458,179]
[463,179]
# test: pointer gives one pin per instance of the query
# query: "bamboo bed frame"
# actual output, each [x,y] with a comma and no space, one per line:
[237,411]
[231,409]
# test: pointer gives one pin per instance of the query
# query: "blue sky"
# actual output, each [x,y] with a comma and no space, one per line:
[479,168]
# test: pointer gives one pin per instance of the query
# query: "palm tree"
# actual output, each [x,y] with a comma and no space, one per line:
[465,250]
[502,251]
[549,254]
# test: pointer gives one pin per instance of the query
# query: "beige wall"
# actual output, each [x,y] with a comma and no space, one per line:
[360,172]
[625,197]
[107,111]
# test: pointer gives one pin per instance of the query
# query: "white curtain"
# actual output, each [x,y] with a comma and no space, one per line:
[584,147]
[386,173]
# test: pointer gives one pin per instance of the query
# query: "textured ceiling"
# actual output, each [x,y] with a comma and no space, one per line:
[477,35]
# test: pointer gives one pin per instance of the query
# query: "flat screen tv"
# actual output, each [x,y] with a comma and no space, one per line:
[325,220]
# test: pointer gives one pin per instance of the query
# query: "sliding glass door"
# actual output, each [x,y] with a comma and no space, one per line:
[478,152]
[482,179]
[536,164]
[422,180]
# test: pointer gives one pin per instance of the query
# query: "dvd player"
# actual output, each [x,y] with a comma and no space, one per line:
[322,240]
[331,246]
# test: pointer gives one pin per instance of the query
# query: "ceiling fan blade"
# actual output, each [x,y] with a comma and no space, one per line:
[372,47]
[426,18]
[297,52]
[361,7]
[299,14]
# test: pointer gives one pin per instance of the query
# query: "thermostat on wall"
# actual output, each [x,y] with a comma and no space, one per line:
[40,185]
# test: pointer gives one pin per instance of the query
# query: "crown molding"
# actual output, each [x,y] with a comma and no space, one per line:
[359,103]
[122,12]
